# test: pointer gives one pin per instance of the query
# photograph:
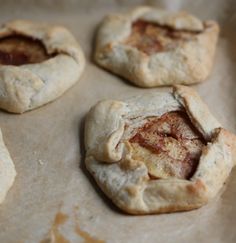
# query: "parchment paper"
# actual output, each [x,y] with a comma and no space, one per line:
[53,198]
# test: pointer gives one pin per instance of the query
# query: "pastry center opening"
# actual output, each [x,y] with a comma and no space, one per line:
[19,50]
[169,145]
[151,38]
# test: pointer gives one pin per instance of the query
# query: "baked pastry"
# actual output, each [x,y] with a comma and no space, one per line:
[157,153]
[7,170]
[38,63]
[152,47]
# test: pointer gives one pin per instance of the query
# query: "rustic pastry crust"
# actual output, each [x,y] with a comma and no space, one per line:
[7,170]
[29,86]
[189,62]
[110,124]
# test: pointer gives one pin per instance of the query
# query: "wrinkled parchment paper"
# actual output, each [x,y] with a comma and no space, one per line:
[53,198]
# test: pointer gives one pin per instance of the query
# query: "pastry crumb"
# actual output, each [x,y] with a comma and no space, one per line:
[41,162]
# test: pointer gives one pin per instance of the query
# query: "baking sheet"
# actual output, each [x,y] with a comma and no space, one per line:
[53,198]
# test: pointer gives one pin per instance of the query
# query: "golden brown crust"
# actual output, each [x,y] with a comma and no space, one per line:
[186,59]
[126,180]
[197,110]
[28,86]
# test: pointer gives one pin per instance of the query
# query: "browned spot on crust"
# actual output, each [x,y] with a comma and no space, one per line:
[151,38]
[19,50]
[196,187]
[166,209]
[131,190]
[176,144]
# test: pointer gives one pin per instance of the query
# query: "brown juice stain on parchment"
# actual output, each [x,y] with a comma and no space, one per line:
[86,236]
[83,234]
[54,235]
